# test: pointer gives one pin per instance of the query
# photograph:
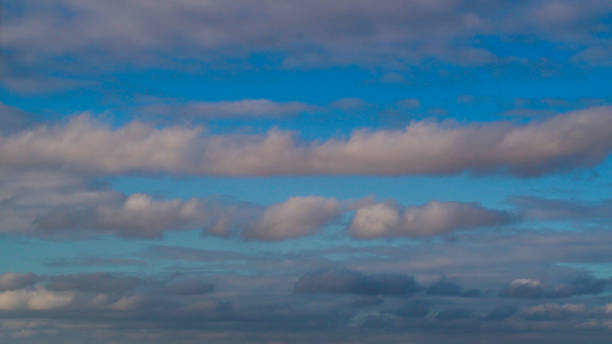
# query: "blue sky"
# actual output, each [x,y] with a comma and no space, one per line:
[239,171]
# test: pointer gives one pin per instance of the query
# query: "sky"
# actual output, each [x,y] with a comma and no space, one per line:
[207,171]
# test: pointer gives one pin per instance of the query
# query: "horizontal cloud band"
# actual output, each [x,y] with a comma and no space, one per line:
[572,140]
[141,216]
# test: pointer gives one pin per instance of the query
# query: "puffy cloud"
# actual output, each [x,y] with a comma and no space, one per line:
[83,143]
[386,219]
[343,281]
[572,140]
[138,216]
[298,216]
[13,280]
[37,299]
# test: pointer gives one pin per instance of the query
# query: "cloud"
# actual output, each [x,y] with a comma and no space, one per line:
[500,313]
[348,104]
[543,209]
[573,140]
[188,286]
[93,282]
[553,311]
[52,204]
[134,216]
[532,288]
[342,281]
[409,103]
[37,299]
[413,309]
[434,218]
[138,216]
[13,119]
[445,287]
[245,108]
[316,32]
[13,280]
[80,261]
[26,195]
[296,217]
[454,314]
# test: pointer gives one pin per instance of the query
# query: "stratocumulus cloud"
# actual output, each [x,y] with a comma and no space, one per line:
[573,140]
[343,281]
[296,217]
[389,220]
[317,32]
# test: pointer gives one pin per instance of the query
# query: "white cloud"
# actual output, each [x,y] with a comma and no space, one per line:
[573,140]
[389,220]
[296,217]
[37,299]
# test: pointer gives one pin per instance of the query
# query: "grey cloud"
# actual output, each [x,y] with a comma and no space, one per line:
[14,280]
[573,140]
[413,309]
[188,286]
[500,313]
[349,104]
[94,282]
[553,311]
[270,316]
[387,219]
[342,281]
[542,209]
[53,204]
[454,314]
[244,108]
[91,261]
[445,287]
[13,119]
[137,216]
[27,195]
[141,216]
[316,32]
[532,288]
[409,103]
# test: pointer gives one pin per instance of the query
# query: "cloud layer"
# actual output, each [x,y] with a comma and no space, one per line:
[573,140]
[317,32]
